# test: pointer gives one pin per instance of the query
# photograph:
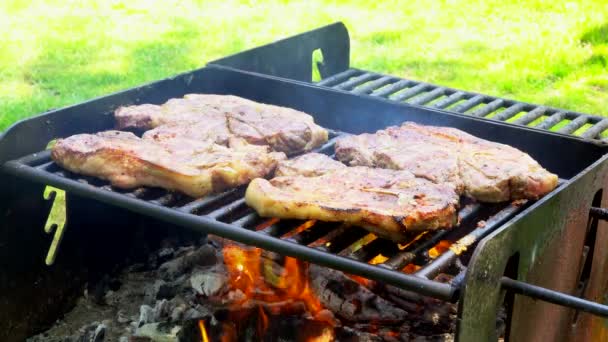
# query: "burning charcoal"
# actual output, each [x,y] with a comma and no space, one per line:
[159,332]
[146,315]
[139,339]
[121,317]
[110,298]
[99,333]
[434,338]
[203,256]
[208,283]
[178,312]
[151,291]
[350,300]
[164,254]
[161,310]
[168,290]
[352,335]
[195,313]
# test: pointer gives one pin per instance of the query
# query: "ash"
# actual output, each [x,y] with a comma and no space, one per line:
[179,288]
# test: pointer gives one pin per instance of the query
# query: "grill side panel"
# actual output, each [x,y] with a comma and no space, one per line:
[548,240]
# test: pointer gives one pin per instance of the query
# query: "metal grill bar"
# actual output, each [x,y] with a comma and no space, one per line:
[471,100]
[428,97]
[393,88]
[552,120]
[455,97]
[594,131]
[470,103]
[509,112]
[411,92]
[489,108]
[531,116]
[446,259]
[371,86]
[355,81]
[339,78]
[574,125]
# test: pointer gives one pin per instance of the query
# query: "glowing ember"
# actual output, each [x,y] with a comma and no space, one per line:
[327,335]
[410,268]
[266,224]
[439,248]
[256,279]
[378,259]
[363,281]
[406,245]
[300,228]
[263,321]
[201,326]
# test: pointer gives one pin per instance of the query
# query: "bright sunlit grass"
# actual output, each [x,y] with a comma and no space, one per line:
[55,53]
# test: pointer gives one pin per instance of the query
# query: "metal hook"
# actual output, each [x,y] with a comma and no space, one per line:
[57,220]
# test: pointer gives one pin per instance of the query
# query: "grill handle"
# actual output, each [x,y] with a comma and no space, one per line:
[554,297]
[599,213]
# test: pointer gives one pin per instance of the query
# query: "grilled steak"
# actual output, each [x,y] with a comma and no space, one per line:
[193,167]
[390,203]
[484,170]
[217,117]
[308,165]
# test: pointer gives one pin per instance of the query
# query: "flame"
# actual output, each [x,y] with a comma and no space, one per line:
[254,276]
[266,224]
[378,259]
[201,326]
[439,248]
[300,228]
[363,281]
[410,268]
[262,321]
[327,335]
[409,243]
[393,333]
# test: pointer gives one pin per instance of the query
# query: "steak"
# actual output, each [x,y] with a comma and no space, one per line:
[481,169]
[193,167]
[390,203]
[308,165]
[217,117]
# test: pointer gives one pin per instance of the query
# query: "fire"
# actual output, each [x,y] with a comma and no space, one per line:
[409,243]
[255,277]
[300,228]
[201,326]
[267,224]
[363,281]
[378,259]
[410,268]
[439,248]
[327,335]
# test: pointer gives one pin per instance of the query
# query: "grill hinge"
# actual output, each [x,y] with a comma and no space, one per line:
[57,220]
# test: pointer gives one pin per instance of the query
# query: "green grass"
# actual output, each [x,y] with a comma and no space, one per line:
[55,53]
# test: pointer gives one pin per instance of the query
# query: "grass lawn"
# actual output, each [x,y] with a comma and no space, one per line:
[55,53]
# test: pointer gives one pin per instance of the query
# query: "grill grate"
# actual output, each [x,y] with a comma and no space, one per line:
[350,249]
[464,102]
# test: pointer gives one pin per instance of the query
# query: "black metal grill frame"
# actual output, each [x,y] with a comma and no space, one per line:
[213,214]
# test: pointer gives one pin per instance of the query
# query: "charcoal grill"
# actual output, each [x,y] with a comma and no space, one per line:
[518,242]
